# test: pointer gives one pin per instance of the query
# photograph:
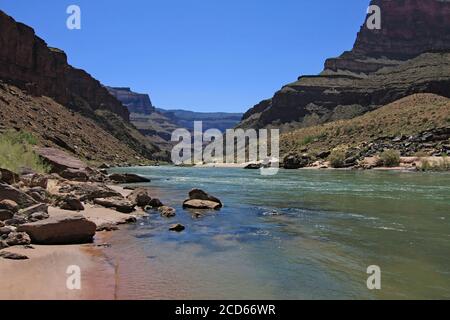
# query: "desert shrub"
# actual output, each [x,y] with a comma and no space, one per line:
[16,152]
[337,158]
[307,140]
[390,158]
[443,165]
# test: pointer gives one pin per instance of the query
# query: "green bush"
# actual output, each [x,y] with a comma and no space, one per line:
[337,158]
[390,158]
[16,152]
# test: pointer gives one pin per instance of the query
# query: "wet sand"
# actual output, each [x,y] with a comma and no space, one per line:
[43,276]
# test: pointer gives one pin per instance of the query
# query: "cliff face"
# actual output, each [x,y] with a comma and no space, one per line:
[27,61]
[28,64]
[157,123]
[135,102]
[408,28]
[409,54]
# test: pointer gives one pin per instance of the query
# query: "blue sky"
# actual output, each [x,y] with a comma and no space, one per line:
[202,55]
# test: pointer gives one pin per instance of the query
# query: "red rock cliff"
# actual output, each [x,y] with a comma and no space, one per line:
[27,61]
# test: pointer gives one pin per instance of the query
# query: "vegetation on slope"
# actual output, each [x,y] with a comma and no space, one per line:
[16,152]
[405,117]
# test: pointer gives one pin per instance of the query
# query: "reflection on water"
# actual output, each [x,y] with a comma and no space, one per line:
[297,235]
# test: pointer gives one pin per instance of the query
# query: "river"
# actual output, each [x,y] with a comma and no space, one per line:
[302,234]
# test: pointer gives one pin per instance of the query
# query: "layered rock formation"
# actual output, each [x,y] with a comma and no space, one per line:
[28,65]
[160,123]
[135,102]
[410,54]
[210,120]
[27,61]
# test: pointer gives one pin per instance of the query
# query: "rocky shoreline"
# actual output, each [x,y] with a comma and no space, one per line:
[64,216]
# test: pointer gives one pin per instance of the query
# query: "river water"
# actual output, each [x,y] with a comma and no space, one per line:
[302,234]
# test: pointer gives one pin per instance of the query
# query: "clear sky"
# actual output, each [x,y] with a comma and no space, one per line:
[202,55]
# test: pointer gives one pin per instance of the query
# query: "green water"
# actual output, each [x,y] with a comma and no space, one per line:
[297,235]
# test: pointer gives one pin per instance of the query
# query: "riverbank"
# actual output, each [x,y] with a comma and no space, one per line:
[43,275]
[431,163]
[52,221]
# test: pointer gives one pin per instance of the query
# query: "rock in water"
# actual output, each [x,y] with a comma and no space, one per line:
[8,192]
[201,204]
[155,203]
[253,166]
[127,178]
[197,194]
[177,227]
[167,212]
[60,229]
[141,197]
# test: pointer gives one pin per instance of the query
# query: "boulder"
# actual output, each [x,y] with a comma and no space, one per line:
[75,175]
[295,161]
[35,180]
[40,207]
[155,203]
[37,216]
[253,166]
[140,197]
[201,204]
[107,227]
[127,178]
[12,256]
[9,177]
[177,227]
[167,212]
[6,230]
[89,191]
[323,154]
[60,160]
[118,203]
[8,192]
[16,220]
[6,215]
[18,239]
[60,229]
[71,203]
[38,197]
[3,245]
[197,194]
[9,205]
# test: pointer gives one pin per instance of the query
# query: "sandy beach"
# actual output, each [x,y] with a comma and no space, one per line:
[44,275]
